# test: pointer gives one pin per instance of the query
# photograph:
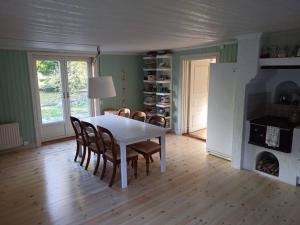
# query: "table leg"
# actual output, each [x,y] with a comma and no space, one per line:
[123,166]
[163,154]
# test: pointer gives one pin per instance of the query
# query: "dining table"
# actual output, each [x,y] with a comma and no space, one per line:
[128,131]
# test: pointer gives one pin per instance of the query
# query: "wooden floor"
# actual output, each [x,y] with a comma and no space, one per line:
[199,134]
[45,186]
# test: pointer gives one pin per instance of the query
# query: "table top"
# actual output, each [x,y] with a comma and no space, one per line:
[126,130]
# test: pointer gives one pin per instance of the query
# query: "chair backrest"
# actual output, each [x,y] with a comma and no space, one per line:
[125,112]
[139,115]
[91,135]
[108,141]
[76,124]
[158,121]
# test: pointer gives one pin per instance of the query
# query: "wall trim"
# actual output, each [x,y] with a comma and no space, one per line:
[249,36]
[21,148]
[204,46]
[69,52]
[60,54]
[26,45]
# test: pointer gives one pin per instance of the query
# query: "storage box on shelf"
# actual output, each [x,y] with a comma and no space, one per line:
[158,86]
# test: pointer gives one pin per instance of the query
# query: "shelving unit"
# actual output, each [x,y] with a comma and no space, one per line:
[158,86]
[289,61]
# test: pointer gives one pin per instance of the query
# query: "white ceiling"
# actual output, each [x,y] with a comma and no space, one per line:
[138,25]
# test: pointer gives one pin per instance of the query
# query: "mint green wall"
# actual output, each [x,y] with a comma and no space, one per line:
[15,94]
[227,53]
[113,65]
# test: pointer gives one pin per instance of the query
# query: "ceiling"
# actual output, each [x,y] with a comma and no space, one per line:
[138,25]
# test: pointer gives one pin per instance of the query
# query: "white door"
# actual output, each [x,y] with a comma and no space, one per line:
[221,97]
[198,94]
[62,86]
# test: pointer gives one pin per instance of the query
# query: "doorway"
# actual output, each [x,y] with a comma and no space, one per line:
[61,84]
[195,96]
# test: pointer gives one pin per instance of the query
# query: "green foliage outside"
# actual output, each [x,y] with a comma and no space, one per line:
[50,89]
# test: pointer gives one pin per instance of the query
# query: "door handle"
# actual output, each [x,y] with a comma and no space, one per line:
[68,95]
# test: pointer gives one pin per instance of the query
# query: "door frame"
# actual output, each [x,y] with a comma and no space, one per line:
[31,56]
[184,87]
[194,86]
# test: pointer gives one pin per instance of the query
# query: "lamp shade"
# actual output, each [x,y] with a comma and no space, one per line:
[101,87]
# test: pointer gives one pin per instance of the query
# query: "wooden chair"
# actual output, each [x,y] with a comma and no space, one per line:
[80,140]
[139,115]
[125,112]
[148,148]
[112,153]
[94,143]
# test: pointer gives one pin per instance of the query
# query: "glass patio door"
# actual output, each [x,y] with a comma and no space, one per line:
[78,103]
[62,85]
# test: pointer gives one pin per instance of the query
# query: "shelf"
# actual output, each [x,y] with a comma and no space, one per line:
[163,69]
[279,62]
[167,117]
[164,57]
[163,81]
[163,106]
[157,81]
[151,104]
[160,93]
[158,57]
[149,69]
[156,69]
[149,57]
[150,114]
[149,81]
[149,92]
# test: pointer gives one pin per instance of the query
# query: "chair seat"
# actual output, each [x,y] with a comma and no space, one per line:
[94,148]
[146,147]
[129,154]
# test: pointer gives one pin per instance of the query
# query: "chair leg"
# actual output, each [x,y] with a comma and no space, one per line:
[104,167]
[97,164]
[135,162]
[147,164]
[151,159]
[113,175]
[88,159]
[83,155]
[77,152]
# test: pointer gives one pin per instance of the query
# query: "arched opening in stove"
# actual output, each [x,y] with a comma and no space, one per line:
[267,162]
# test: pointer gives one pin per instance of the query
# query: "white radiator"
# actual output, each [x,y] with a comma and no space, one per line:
[10,136]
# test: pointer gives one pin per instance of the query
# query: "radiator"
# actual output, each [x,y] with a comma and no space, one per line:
[10,136]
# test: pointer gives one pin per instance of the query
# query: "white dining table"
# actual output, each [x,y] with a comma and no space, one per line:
[128,131]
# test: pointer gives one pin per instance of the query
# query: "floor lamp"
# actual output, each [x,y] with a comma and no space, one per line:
[100,88]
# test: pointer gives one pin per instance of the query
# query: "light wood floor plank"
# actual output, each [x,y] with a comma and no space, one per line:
[45,186]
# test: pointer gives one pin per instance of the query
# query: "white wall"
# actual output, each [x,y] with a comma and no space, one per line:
[256,97]
[247,64]
[288,38]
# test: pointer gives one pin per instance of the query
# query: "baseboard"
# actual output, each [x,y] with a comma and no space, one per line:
[54,141]
[218,154]
[21,148]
